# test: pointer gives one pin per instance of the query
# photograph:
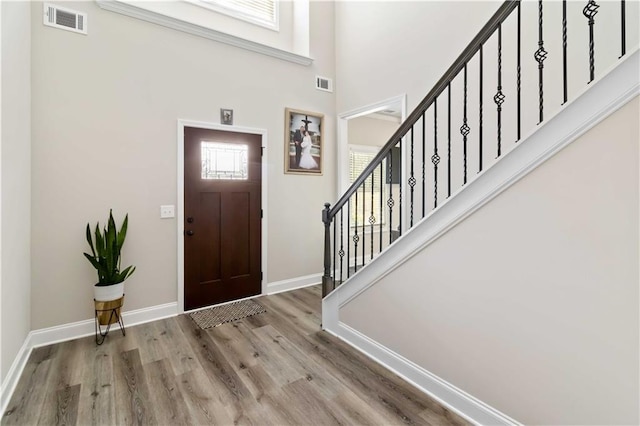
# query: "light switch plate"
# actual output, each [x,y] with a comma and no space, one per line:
[167,212]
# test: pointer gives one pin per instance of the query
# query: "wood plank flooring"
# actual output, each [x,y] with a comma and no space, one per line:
[275,368]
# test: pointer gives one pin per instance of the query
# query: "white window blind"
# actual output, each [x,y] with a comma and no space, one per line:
[368,200]
[261,12]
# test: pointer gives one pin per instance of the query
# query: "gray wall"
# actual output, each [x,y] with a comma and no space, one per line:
[105,110]
[16,181]
[542,322]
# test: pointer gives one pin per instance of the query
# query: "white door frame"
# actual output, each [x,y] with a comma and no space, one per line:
[180,210]
[342,181]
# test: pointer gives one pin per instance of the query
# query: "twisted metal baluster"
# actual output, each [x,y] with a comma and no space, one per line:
[465,129]
[540,55]
[590,11]
[499,96]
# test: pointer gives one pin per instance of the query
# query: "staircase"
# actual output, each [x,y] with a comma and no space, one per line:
[509,103]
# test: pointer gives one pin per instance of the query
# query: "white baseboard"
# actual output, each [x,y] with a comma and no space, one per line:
[13,375]
[61,333]
[293,283]
[447,394]
[75,330]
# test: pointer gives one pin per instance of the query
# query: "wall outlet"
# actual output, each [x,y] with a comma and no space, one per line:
[167,212]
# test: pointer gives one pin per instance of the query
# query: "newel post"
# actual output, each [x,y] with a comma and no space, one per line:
[327,285]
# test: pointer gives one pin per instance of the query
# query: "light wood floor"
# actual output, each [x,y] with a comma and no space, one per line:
[275,368]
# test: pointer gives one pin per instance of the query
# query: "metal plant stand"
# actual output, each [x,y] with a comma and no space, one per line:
[107,313]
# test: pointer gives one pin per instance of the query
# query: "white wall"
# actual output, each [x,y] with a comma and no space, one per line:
[542,322]
[16,180]
[371,131]
[105,110]
[407,54]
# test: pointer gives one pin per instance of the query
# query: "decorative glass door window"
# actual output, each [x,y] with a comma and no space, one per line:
[224,161]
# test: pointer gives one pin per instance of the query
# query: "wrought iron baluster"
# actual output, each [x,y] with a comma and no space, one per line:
[480,114]
[364,219]
[518,78]
[499,96]
[412,183]
[449,140]
[590,11]
[540,55]
[435,158]
[623,30]
[381,192]
[423,164]
[390,202]
[564,51]
[372,218]
[400,191]
[465,129]
[341,252]
[348,236]
[356,237]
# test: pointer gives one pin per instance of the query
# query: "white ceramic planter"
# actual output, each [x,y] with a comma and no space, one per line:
[109,292]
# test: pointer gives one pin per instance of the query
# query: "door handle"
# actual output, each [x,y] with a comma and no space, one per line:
[189,232]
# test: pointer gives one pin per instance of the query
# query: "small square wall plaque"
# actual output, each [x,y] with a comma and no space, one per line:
[226,116]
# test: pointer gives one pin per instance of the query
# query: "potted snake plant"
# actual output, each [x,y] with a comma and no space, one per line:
[105,257]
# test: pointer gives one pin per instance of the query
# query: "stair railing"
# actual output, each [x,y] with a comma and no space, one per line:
[367,207]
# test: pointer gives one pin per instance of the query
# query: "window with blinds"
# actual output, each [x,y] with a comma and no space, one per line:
[260,12]
[369,198]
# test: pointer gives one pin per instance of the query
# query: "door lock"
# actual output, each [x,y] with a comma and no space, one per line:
[189,232]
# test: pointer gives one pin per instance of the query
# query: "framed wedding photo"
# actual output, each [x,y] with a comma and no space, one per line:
[304,144]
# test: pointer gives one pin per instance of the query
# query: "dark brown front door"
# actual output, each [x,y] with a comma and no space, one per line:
[222,197]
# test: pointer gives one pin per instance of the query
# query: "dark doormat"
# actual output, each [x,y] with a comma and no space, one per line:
[230,312]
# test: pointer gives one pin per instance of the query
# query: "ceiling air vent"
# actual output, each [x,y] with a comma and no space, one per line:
[65,19]
[324,83]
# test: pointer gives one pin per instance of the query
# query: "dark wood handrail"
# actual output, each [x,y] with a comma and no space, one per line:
[485,33]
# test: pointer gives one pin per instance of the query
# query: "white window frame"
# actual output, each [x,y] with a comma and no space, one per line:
[220,6]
